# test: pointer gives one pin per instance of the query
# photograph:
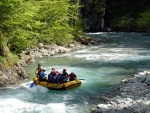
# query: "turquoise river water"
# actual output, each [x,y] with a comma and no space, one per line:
[102,66]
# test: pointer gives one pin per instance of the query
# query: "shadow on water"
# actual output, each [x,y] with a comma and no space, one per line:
[146,34]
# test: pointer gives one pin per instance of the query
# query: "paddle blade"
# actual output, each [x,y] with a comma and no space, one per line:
[32,84]
[81,79]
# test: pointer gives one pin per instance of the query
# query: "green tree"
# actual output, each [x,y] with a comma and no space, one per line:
[144,20]
[17,25]
[25,23]
[6,57]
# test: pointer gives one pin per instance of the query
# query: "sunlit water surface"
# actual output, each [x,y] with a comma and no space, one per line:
[102,67]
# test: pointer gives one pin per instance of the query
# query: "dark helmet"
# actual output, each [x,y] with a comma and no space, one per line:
[53,71]
[39,64]
[72,72]
[40,69]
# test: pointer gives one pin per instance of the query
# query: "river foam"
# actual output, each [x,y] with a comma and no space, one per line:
[13,105]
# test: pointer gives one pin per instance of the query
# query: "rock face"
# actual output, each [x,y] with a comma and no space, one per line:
[13,75]
[132,96]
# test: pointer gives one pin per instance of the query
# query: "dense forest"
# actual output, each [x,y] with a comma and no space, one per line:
[25,23]
[119,15]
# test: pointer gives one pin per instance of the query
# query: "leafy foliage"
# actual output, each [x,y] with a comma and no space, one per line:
[25,23]
[6,57]
[144,20]
[126,15]
[129,14]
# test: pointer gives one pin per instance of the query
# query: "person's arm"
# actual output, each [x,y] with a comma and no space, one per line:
[74,76]
[68,76]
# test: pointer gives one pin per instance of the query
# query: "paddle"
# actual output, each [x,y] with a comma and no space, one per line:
[60,83]
[32,84]
[81,79]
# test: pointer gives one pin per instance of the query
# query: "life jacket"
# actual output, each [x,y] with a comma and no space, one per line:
[39,70]
[41,75]
[64,74]
[72,76]
[52,77]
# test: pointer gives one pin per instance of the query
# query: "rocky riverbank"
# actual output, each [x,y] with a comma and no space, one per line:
[10,76]
[40,51]
[132,96]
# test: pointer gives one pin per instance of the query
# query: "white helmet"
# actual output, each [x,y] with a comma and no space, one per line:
[44,69]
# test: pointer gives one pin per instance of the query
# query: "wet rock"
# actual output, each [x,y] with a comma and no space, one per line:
[41,45]
[71,45]
[12,76]
[102,106]
[125,81]
[133,96]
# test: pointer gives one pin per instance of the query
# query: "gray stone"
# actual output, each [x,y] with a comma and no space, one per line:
[41,45]
[71,46]
[102,106]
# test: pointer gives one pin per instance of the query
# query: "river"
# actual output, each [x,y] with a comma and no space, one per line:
[101,66]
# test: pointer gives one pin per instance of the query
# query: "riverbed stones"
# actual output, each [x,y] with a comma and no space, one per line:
[132,96]
[49,50]
[30,54]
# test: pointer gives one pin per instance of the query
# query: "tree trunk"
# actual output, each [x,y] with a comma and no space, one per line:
[102,23]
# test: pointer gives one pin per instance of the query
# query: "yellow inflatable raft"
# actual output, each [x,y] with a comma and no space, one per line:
[63,86]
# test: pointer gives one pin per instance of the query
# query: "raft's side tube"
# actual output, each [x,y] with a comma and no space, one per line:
[64,86]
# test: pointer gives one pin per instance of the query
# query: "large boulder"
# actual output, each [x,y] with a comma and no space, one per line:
[12,76]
